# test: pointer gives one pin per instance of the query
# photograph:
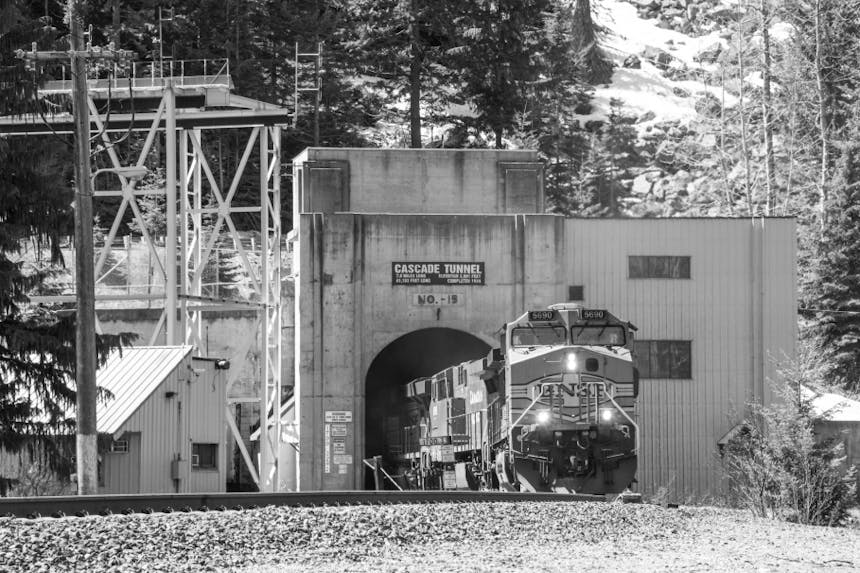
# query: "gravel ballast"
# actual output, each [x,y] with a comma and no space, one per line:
[525,536]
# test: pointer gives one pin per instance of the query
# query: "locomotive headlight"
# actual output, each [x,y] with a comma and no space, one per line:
[606,415]
[570,363]
[543,417]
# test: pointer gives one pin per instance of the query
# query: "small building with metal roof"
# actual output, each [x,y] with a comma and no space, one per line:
[839,419]
[163,423]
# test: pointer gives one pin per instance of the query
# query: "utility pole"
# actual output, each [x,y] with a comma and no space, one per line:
[85,333]
[86,453]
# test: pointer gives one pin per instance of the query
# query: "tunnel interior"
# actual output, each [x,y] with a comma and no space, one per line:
[419,353]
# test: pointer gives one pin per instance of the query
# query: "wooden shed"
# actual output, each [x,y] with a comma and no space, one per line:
[163,427]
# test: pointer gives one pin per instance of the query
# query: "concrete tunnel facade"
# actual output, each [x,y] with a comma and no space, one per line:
[363,323]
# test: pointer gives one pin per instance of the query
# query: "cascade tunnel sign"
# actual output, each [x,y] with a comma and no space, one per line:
[456,273]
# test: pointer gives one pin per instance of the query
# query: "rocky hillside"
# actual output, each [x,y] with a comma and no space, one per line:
[671,59]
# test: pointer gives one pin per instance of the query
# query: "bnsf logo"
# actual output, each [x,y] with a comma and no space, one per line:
[556,390]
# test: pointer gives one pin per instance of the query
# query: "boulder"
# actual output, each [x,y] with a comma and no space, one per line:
[647,116]
[594,125]
[583,108]
[722,14]
[679,72]
[658,57]
[709,54]
[632,61]
[708,104]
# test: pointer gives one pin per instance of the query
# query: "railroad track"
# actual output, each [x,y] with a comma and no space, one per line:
[75,505]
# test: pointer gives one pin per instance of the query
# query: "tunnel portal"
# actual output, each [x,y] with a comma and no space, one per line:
[418,353]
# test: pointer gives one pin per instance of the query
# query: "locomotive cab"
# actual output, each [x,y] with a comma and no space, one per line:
[552,409]
[571,419]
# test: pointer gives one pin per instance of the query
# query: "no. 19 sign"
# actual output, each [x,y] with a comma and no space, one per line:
[437,299]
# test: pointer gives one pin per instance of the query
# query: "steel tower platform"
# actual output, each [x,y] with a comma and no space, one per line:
[179,101]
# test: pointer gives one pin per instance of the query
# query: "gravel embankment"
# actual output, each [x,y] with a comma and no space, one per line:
[443,537]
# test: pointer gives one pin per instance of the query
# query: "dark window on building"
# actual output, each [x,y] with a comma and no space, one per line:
[119,447]
[664,358]
[658,267]
[204,456]
[575,293]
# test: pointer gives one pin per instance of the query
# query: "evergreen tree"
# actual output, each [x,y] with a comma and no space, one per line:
[37,347]
[497,56]
[556,99]
[607,177]
[402,43]
[835,291]
[584,37]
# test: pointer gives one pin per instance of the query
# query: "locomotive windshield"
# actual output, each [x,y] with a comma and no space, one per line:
[597,334]
[538,336]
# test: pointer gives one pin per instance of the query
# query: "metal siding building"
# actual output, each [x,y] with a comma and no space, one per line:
[736,309]
[164,401]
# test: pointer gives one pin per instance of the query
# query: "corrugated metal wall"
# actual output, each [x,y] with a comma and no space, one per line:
[207,405]
[187,407]
[737,309]
[122,470]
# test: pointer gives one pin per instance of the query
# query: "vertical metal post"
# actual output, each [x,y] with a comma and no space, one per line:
[296,89]
[268,454]
[85,333]
[197,222]
[274,283]
[183,232]
[377,479]
[170,253]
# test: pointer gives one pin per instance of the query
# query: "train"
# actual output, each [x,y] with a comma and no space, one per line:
[552,409]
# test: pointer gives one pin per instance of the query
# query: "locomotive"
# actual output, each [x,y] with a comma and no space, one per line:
[551,409]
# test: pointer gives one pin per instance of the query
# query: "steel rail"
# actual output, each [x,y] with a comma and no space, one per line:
[82,505]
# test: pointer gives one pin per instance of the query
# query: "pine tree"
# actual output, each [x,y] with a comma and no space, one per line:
[606,178]
[835,292]
[498,58]
[402,43]
[556,99]
[598,67]
[37,346]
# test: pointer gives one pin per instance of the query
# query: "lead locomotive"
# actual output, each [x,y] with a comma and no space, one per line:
[552,409]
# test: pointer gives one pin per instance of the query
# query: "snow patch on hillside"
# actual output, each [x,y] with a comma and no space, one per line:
[646,89]
[631,34]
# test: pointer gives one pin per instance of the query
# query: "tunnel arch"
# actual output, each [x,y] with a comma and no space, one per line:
[412,355]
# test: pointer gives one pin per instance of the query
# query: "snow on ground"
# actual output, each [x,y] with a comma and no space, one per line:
[631,34]
[646,89]
[833,406]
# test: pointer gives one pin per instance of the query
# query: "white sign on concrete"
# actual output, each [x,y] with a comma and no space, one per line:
[327,448]
[338,416]
[342,459]
[442,273]
[437,299]
[338,429]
